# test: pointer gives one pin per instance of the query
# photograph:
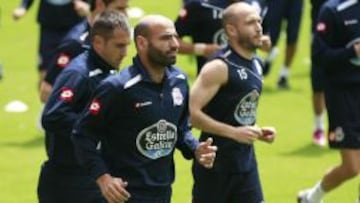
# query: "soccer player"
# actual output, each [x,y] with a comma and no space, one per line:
[55,18]
[75,42]
[223,105]
[317,84]
[140,116]
[201,20]
[337,50]
[291,10]
[62,179]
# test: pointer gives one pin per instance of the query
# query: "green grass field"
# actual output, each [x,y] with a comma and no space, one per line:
[286,166]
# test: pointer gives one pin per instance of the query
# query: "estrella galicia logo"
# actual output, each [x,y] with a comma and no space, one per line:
[220,38]
[157,140]
[245,112]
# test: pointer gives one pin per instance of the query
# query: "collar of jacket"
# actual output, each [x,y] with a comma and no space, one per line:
[99,62]
[143,72]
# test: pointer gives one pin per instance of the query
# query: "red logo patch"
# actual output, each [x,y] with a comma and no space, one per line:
[95,107]
[183,13]
[321,27]
[66,94]
[63,60]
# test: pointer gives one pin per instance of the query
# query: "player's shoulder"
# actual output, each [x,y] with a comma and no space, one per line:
[78,64]
[214,66]
[342,5]
[77,32]
[175,73]
[125,79]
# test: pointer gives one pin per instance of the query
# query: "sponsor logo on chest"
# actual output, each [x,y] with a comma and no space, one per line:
[157,140]
[245,112]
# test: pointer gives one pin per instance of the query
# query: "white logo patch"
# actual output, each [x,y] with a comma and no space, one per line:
[177,96]
[351,22]
[157,140]
[245,112]
[142,104]
[339,134]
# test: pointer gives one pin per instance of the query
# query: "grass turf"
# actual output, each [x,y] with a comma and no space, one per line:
[286,166]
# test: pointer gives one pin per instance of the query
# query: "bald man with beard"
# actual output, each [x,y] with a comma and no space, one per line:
[140,116]
[223,105]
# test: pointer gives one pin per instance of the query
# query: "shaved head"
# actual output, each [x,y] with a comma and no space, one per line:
[149,22]
[236,11]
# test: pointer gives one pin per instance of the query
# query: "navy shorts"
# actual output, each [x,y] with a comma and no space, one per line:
[220,186]
[291,10]
[55,187]
[141,200]
[317,78]
[161,194]
[343,106]
[49,40]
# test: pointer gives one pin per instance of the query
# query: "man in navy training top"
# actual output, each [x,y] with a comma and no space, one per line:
[55,18]
[140,116]
[75,42]
[62,179]
[201,20]
[291,11]
[317,85]
[223,105]
[336,49]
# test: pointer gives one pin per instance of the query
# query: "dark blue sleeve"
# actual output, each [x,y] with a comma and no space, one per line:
[63,107]
[327,49]
[185,20]
[64,54]
[89,130]
[186,143]
[26,4]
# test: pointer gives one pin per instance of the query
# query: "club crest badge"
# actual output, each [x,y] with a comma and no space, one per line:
[177,96]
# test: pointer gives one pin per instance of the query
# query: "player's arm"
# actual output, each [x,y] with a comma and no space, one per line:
[62,108]
[213,75]
[323,50]
[64,54]
[81,7]
[184,24]
[86,135]
[190,147]
[20,11]
[198,49]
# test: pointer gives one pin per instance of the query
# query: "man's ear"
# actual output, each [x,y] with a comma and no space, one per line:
[230,30]
[98,42]
[141,42]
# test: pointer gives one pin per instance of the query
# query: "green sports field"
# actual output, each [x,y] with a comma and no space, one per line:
[286,166]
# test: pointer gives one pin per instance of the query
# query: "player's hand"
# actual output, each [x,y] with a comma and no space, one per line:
[18,13]
[268,134]
[205,153]
[113,189]
[45,91]
[246,134]
[265,43]
[82,8]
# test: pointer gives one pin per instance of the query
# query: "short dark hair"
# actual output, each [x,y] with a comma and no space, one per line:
[141,29]
[106,22]
[92,3]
